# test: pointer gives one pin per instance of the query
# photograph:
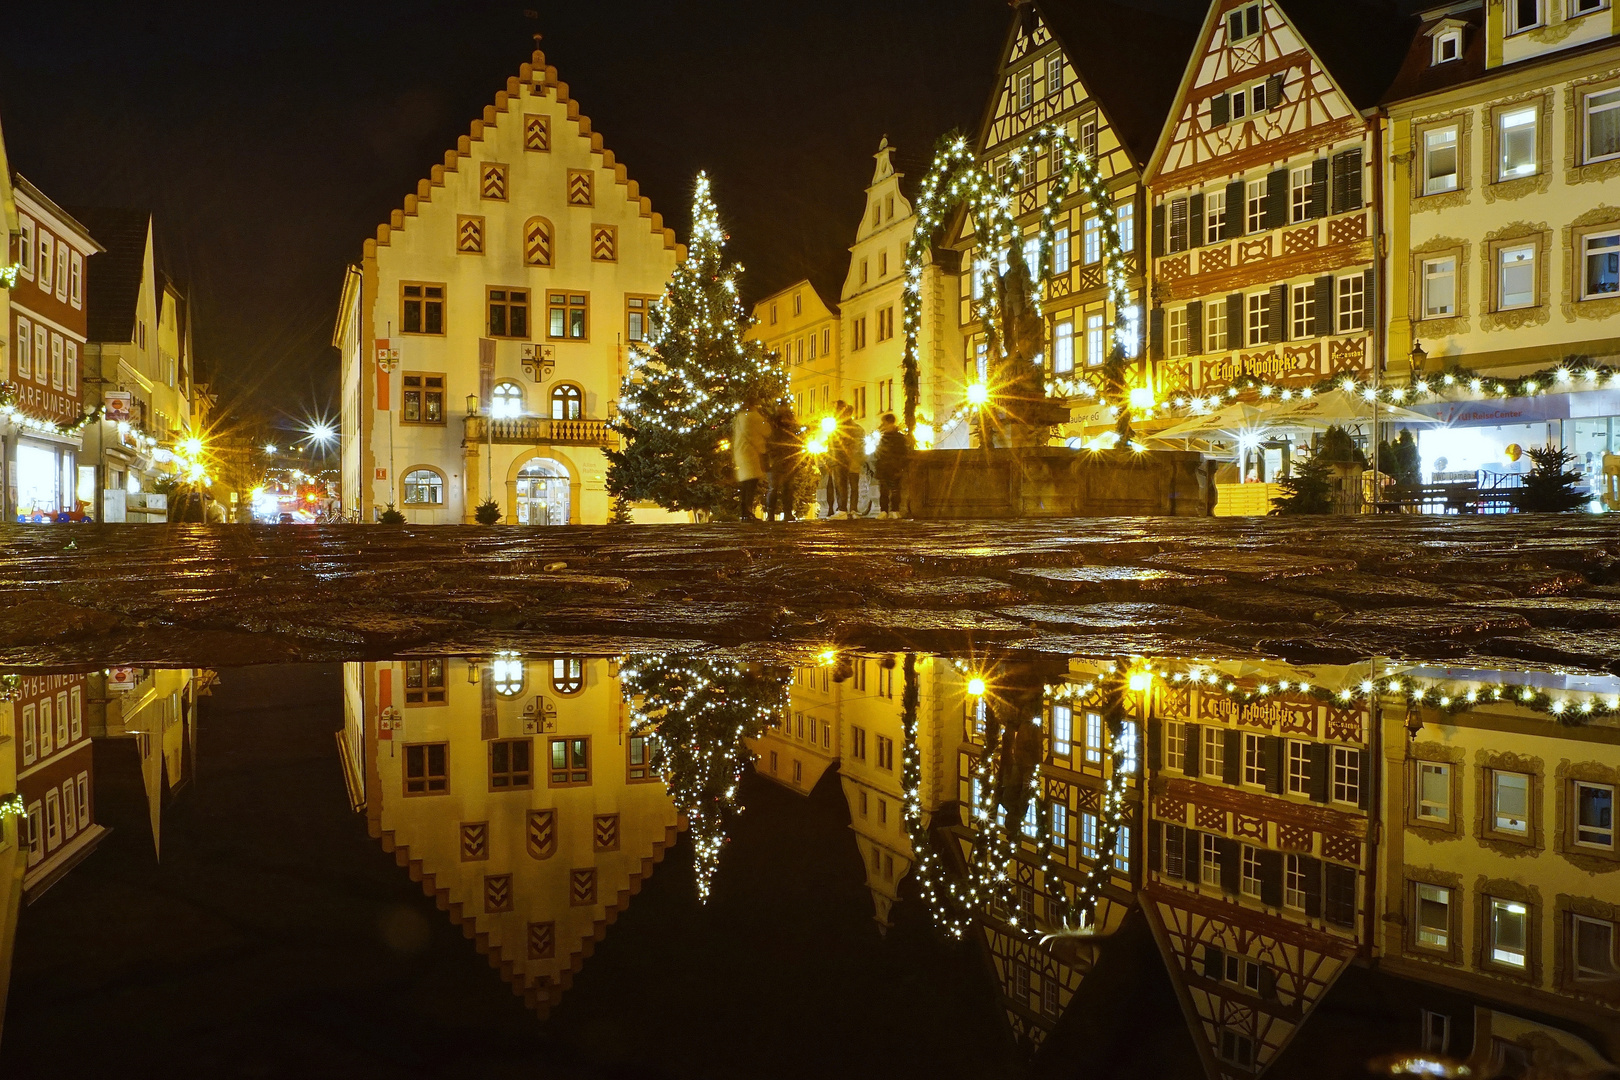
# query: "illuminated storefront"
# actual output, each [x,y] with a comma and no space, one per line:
[1491,437]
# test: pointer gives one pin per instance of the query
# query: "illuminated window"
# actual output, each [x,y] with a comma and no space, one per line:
[570,762]
[423,487]
[1215,326]
[1304,311]
[1433,904]
[1060,251]
[1602,253]
[425,681]
[1602,125]
[1176,332]
[1439,287]
[1096,341]
[1346,774]
[1510,802]
[567,402]
[1516,143]
[507,675]
[1433,791]
[1094,738]
[567,675]
[1440,160]
[1175,743]
[1062,730]
[1214,217]
[1509,932]
[423,399]
[1063,347]
[1088,836]
[1594,815]
[1214,751]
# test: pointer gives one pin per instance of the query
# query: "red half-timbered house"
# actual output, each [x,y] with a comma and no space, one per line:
[1264,200]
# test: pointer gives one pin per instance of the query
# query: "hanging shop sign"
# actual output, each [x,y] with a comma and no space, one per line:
[121,678]
[1523,410]
[117,406]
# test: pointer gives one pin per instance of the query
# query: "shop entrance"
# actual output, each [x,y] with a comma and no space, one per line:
[543,493]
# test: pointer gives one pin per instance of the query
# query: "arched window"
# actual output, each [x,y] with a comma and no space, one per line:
[423,487]
[567,402]
[506,400]
[507,674]
[568,675]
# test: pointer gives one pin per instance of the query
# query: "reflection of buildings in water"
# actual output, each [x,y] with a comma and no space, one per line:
[159,713]
[1055,757]
[513,791]
[1486,912]
[54,776]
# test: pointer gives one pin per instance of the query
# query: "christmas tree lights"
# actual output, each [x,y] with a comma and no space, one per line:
[689,379]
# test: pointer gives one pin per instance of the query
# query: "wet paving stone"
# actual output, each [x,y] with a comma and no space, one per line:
[234,594]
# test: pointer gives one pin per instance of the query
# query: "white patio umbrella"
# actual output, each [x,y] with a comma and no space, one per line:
[1240,417]
[1340,406]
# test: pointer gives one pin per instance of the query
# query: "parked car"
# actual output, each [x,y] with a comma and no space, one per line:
[284,519]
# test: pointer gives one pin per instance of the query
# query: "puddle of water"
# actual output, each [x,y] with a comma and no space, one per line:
[689,864]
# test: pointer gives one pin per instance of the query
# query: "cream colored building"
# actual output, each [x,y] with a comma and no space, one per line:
[801,330]
[486,331]
[1504,226]
[514,792]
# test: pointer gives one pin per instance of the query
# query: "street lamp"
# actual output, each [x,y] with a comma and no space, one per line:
[1418,359]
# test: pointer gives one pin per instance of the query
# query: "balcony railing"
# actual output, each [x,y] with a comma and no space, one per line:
[530,430]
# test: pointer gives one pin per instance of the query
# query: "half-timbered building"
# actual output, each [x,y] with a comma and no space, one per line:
[1264,201]
[515,793]
[1105,74]
[55,777]
[485,334]
[1259,853]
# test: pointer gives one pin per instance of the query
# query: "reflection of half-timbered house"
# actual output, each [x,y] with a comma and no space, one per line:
[55,777]
[1264,207]
[515,794]
[1109,91]
[1259,851]
[1086,742]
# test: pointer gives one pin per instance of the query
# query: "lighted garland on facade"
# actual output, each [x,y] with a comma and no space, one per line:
[1572,374]
[12,807]
[9,410]
[695,714]
[956,179]
[8,275]
[1459,696]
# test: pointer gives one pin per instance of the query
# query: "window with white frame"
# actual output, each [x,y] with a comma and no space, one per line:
[1215,326]
[1591,949]
[1346,774]
[1256,206]
[1294,883]
[1176,332]
[1026,88]
[24,349]
[423,487]
[1214,751]
[1440,287]
[1209,863]
[1096,341]
[1175,743]
[1094,738]
[1509,930]
[1062,730]
[1523,15]
[1132,330]
[1447,46]
[506,400]
[1032,257]
[1594,815]
[1299,767]
[1516,143]
[1436,1032]
[1125,221]
[1602,115]
[1351,309]
[1088,139]
[1254,759]
[1250,883]
[25,248]
[1516,277]
[1214,217]
[1060,825]
[1091,240]
[1087,837]
[1122,849]
[1434,792]
[1510,802]
[1127,747]
[1299,193]
[1032,819]
[1440,160]
[1304,304]
[1054,73]
[1259,317]
[1578,8]
[1060,250]
[1433,911]
[1063,347]
[1601,252]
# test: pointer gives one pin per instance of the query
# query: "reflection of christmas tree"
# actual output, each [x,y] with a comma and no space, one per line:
[689,380]
[696,714]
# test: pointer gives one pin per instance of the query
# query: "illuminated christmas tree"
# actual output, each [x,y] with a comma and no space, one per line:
[696,714]
[688,380]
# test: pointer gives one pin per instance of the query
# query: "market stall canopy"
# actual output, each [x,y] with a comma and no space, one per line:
[1232,420]
[1339,407]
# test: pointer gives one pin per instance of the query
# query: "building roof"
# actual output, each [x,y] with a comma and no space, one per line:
[1363,43]
[1129,60]
[114,276]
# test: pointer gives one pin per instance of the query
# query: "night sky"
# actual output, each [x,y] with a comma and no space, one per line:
[272,138]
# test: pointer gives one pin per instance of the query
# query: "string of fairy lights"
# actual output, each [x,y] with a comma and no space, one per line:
[957,179]
[12,412]
[1572,374]
[695,714]
[688,393]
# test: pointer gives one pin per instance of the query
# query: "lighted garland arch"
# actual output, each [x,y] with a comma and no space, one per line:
[957,179]
[953,904]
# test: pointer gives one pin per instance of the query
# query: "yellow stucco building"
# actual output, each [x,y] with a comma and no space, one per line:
[801,330]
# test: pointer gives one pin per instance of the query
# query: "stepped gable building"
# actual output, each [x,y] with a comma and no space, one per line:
[1106,74]
[486,330]
[517,798]
[1265,200]
[1504,227]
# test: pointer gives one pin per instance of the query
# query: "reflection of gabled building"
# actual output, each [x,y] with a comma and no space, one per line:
[800,749]
[160,713]
[1500,871]
[1258,855]
[513,792]
[1075,849]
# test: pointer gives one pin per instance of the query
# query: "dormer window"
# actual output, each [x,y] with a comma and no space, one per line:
[1447,46]
[1243,23]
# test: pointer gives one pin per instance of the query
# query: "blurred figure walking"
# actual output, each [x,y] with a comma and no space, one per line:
[787,455]
[889,465]
[750,433]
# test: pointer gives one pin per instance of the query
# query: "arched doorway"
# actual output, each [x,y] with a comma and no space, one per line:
[543,493]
